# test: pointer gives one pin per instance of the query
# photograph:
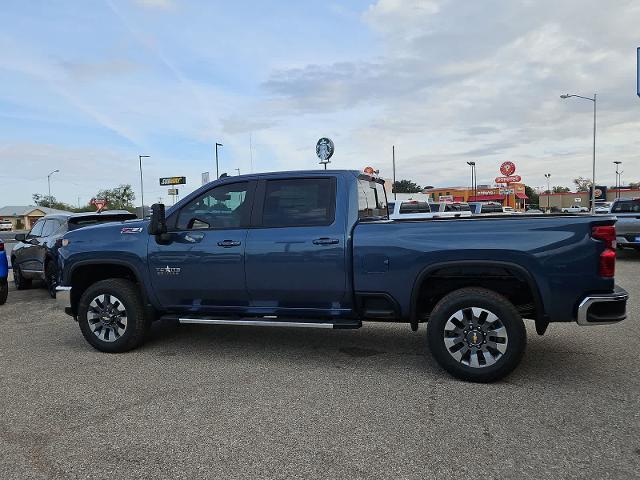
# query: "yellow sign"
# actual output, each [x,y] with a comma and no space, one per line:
[173,181]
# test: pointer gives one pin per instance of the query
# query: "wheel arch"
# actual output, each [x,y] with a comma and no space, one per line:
[82,275]
[519,272]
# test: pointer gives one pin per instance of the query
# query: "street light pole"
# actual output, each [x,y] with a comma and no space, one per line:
[49,185]
[393,156]
[618,182]
[548,176]
[474,185]
[140,157]
[217,170]
[593,177]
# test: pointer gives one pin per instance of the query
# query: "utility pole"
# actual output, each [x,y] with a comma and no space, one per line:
[393,155]
[217,169]
[237,170]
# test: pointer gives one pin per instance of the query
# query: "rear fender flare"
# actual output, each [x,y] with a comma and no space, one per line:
[541,319]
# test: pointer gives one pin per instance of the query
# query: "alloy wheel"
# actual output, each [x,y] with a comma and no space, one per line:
[475,337]
[107,317]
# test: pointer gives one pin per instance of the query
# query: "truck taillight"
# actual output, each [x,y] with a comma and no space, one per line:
[607,263]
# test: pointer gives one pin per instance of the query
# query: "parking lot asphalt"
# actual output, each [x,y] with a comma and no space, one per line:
[250,402]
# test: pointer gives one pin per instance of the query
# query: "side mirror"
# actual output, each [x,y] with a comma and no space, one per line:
[20,237]
[158,223]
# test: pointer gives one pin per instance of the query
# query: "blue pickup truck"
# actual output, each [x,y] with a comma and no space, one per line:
[317,249]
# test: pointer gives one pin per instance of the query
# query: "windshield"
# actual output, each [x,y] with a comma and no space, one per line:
[626,206]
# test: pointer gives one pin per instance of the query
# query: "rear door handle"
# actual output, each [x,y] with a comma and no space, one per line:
[326,241]
[229,243]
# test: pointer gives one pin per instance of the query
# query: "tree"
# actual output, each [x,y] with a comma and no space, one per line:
[560,189]
[582,184]
[634,184]
[534,199]
[50,202]
[118,198]
[406,186]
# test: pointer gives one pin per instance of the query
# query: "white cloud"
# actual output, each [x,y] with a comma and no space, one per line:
[160,4]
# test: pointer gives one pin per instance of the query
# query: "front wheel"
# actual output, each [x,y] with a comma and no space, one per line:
[111,316]
[476,334]
[4,291]
[20,282]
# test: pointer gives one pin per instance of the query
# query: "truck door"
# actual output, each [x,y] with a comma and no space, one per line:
[296,255]
[203,264]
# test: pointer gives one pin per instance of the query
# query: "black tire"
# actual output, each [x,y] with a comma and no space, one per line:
[497,364]
[128,296]
[51,278]
[4,291]
[19,281]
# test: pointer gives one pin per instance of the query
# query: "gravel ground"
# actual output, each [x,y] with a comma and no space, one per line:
[250,402]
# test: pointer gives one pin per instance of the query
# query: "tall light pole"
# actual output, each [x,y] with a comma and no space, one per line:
[593,177]
[548,176]
[618,182]
[217,170]
[473,180]
[393,158]
[49,185]
[140,157]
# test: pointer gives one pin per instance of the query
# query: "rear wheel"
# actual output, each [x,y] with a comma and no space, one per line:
[4,291]
[111,316]
[19,281]
[476,335]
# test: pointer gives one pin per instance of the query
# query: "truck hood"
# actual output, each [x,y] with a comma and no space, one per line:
[110,232]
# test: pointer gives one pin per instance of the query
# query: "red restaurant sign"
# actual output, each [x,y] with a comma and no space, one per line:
[508,168]
[509,179]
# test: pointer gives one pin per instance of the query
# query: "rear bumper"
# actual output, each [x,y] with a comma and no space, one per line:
[603,308]
[63,299]
[628,240]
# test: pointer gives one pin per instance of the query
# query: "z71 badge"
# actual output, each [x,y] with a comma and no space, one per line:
[167,271]
[131,230]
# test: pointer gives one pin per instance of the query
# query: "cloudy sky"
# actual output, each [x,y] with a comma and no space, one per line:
[87,86]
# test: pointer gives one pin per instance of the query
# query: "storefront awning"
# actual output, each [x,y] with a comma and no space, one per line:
[522,195]
[486,198]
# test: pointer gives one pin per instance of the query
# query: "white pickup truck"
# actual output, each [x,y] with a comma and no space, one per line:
[417,210]
[574,209]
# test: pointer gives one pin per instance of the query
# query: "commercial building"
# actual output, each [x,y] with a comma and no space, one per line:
[23,217]
[557,201]
[512,195]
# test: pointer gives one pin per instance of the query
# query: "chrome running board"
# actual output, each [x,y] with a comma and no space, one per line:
[269,323]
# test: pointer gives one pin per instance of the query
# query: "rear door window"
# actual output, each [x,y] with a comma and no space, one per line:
[372,200]
[299,202]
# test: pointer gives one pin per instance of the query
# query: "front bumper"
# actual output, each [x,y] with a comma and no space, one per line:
[63,299]
[630,240]
[603,308]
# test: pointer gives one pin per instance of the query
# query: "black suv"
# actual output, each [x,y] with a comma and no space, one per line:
[34,257]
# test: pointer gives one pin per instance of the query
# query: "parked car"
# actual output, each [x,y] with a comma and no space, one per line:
[317,249]
[603,208]
[416,210]
[534,211]
[35,255]
[478,208]
[574,209]
[627,211]
[6,225]
[4,273]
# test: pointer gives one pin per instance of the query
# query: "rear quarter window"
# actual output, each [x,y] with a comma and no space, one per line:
[372,200]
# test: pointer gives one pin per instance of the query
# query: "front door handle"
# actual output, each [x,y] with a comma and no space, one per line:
[229,243]
[326,241]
